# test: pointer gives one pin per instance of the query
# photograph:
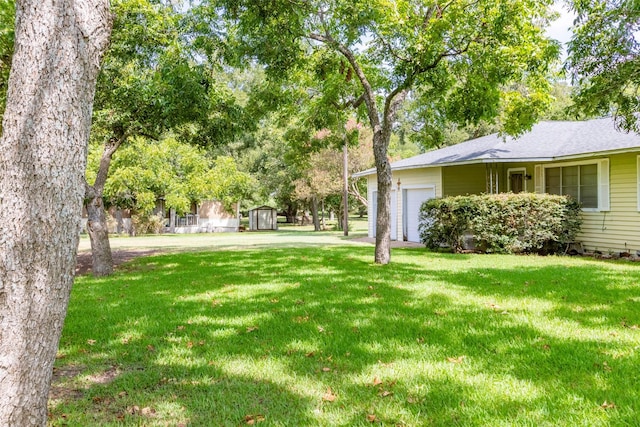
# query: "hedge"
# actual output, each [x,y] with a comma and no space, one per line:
[503,223]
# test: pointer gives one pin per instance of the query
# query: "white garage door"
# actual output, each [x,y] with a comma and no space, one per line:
[394,214]
[412,200]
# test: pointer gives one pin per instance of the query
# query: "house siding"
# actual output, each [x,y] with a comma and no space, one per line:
[464,179]
[414,178]
[472,179]
[618,229]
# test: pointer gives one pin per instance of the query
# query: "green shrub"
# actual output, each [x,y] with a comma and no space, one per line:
[444,222]
[147,224]
[504,223]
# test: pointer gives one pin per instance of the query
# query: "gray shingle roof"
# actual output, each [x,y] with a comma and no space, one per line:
[547,141]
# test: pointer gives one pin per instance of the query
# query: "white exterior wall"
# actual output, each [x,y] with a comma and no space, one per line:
[409,179]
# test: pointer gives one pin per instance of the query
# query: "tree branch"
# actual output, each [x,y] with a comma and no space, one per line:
[355,103]
[110,147]
[391,50]
[368,94]
[353,190]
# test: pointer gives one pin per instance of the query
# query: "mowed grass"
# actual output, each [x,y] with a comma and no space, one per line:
[322,336]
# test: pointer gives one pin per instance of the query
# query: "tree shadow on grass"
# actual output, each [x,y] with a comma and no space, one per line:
[214,337]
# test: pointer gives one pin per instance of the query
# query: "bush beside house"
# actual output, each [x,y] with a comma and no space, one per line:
[503,223]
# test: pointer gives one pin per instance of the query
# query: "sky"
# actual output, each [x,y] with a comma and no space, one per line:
[560,28]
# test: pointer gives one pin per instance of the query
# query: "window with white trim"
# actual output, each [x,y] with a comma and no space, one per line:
[586,181]
[578,181]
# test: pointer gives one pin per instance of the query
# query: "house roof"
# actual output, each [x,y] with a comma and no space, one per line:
[547,141]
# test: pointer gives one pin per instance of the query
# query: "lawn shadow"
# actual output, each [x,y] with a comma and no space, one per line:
[223,335]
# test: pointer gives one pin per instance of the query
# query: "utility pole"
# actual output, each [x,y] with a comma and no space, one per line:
[345,187]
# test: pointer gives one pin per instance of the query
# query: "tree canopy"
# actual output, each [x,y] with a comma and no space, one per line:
[604,59]
[465,61]
[146,170]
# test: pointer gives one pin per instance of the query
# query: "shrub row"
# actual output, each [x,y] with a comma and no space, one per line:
[503,223]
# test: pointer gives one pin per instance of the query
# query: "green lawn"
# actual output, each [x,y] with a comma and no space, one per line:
[321,336]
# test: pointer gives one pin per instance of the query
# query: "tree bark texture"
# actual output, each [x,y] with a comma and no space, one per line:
[383,214]
[58,46]
[97,227]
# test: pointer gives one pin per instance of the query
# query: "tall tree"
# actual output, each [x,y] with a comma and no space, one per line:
[604,59]
[148,85]
[465,56]
[58,46]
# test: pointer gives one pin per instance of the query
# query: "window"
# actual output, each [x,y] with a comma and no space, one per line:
[579,182]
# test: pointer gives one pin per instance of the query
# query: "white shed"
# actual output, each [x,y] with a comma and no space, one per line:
[263,218]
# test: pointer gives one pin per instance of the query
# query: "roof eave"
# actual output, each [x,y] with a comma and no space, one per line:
[474,161]
[598,153]
[509,160]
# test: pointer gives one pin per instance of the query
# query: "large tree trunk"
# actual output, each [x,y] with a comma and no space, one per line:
[381,138]
[383,214]
[97,227]
[58,46]
[345,188]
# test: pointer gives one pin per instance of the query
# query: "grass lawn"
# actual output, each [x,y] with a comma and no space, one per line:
[321,336]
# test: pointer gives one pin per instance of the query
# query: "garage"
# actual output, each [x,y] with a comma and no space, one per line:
[412,199]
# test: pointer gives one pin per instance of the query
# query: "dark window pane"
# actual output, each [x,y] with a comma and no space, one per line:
[552,181]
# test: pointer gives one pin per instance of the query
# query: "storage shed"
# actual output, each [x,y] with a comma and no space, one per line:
[263,218]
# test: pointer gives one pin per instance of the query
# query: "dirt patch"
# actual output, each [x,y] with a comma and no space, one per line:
[120,256]
[105,377]
[62,384]
[58,390]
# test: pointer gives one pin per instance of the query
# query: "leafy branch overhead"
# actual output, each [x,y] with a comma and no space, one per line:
[604,59]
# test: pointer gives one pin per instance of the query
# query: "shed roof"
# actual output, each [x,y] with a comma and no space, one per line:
[263,207]
[547,141]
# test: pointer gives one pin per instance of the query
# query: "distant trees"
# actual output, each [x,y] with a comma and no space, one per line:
[321,173]
[145,171]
